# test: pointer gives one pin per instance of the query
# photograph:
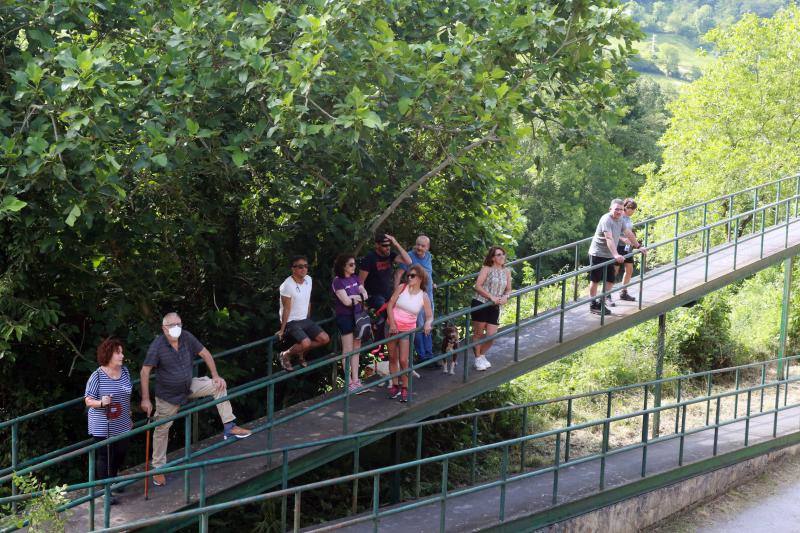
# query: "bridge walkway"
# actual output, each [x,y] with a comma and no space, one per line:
[538,344]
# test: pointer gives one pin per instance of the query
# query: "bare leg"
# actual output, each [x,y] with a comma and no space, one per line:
[403,360]
[347,347]
[478,329]
[626,278]
[491,329]
[394,359]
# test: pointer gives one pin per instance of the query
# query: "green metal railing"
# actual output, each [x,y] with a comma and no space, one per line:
[696,237]
[708,402]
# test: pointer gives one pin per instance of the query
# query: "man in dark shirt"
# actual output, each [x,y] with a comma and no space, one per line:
[171,354]
[377,269]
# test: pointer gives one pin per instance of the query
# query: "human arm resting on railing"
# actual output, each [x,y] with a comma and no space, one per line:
[634,243]
[613,247]
[206,356]
[287,308]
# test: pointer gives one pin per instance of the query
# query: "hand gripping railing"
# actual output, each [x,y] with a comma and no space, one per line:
[562,457]
[733,225]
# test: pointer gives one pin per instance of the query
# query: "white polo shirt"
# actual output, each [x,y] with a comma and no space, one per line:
[300,293]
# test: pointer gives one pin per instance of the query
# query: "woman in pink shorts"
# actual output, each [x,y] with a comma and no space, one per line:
[403,307]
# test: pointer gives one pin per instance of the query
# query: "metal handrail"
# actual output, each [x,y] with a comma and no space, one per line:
[270,381]
[573,245]
[679,406]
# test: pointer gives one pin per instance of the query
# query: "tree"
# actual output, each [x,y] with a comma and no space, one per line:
[670,57]
[737,125]
[173,155]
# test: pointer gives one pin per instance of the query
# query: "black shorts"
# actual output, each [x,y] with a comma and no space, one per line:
[622,251]
[488,315]
[345,323]
[597,274]
[303,329]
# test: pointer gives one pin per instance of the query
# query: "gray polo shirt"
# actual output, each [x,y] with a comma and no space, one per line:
[599,248]
[173,367]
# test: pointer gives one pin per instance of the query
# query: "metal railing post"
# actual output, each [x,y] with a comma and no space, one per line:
[662,329]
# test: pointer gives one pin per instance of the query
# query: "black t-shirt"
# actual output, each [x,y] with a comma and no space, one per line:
[380,279]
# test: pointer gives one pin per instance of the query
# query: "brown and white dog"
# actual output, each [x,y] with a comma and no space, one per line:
[450,343]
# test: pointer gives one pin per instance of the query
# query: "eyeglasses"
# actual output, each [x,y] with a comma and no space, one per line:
[300,266]
[411,276]
[172,325]
[499,253]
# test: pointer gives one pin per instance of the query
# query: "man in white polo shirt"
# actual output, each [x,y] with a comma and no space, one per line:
[295,313]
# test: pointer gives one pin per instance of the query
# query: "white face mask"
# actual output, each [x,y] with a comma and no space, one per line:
[174,332]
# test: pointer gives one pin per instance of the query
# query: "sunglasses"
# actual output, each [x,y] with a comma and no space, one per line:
[411,276]
[300,266]
[499,253]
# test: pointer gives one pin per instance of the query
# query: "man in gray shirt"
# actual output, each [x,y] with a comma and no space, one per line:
[604,248]
[171,356]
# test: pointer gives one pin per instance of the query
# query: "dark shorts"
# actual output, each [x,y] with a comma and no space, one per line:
[597,274]
[345,323]
[488,315]
[622,251]
[303,329]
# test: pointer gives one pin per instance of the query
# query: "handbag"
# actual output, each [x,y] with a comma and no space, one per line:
[363,329]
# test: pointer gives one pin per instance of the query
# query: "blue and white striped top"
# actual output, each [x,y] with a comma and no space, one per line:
[119,412]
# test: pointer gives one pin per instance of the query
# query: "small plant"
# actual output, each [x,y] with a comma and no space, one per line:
[40,512]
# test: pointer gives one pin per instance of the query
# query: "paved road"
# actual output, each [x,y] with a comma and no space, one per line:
[765,503]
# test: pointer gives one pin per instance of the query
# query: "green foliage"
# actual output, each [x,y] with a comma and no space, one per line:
[693,18]
[700,336]
[40,512]
[572,187]
[159,156]
[733,127]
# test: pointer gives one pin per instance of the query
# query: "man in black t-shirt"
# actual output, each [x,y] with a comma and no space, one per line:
[376,270]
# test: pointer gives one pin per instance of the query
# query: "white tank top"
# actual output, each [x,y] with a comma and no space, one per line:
[410,303]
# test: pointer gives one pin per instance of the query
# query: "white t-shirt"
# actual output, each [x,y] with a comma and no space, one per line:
[300,293]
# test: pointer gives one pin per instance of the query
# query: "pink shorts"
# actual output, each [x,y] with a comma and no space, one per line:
[404,320]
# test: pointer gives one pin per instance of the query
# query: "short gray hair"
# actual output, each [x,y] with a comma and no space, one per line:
[169,316]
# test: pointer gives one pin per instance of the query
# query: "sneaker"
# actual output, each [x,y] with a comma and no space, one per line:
[627,297]
[285,362]
[404,395]
[236,432]
[159,480]
[357,387]
[394,392]
[598,309]
[481,364]
[486,363]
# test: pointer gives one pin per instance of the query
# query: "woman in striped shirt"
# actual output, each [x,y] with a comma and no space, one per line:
[108,397]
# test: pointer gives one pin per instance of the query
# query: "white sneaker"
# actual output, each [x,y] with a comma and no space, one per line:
[480,364]
[486,363]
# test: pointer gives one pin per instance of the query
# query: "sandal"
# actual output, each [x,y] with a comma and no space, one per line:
[285,362]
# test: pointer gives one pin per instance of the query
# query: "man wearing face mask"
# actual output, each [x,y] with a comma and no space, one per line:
[171,354]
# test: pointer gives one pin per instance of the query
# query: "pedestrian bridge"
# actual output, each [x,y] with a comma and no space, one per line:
[692,252]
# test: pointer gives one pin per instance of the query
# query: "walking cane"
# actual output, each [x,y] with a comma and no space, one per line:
[147,458]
